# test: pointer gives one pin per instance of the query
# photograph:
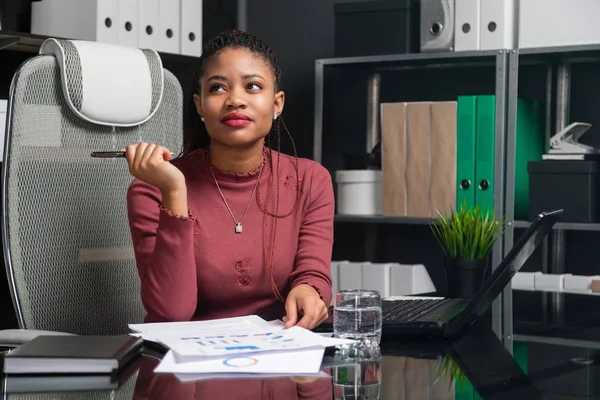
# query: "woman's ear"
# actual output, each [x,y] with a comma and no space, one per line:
[198,103]
[279,102]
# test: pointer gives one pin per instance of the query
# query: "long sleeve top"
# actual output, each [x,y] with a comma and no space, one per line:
[198,267]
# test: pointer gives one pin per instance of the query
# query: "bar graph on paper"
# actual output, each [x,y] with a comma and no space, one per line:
[215,345]
[239,341]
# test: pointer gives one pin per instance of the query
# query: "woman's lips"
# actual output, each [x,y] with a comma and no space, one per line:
[236,123]
[236,120]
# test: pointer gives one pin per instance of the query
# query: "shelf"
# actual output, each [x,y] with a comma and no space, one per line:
[30,43]
[557,341]
[377,219]
[22,41]
[567,226]
[560,54]
[563,51]
[555,291]
[417,60]
[459,58]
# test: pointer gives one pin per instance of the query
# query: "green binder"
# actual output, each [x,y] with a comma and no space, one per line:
[521,355]
[465,392]
[468,392]
[465,147]
[530,147]
[484,157]
[476,122]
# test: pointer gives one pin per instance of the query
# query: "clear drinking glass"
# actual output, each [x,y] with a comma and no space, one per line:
[357,315]
[357,382]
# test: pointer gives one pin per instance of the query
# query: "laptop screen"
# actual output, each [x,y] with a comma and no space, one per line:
[509,266]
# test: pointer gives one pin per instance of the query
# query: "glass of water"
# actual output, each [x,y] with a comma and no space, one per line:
[360,381]
[357,315]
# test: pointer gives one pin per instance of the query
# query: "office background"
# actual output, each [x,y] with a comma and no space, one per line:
[301,32]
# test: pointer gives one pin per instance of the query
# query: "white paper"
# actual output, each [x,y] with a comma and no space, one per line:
[224,375]
[221,343]
[250,323]
[305,362]
[325,334]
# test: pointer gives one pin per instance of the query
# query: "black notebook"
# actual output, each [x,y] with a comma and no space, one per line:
[73,355]
[64,383]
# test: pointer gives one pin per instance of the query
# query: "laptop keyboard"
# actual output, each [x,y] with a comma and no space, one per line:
[408,310]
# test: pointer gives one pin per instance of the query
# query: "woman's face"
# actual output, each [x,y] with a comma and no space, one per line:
[237,98]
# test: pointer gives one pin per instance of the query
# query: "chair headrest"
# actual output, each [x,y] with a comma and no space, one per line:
[108,84]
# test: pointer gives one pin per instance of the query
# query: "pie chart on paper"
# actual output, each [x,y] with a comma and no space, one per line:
[240,362]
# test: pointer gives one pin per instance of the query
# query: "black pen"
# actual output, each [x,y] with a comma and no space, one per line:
[108,154]
[111,154]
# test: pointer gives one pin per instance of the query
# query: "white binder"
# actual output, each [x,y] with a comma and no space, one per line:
[191,28]
[128,28]
[107,10]
[409,279]
[169,26]
[467,26]
[550,282]
[524,280]
[94,20]
[148,24]
[335,279]
[498,24]
[350,274]
[547,23]
[377,276]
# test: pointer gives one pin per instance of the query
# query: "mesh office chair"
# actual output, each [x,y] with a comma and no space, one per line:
[66,238]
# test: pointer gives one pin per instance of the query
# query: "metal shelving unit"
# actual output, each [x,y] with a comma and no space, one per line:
[383,220]
[398,62]
[557,341]
[30,43]
[565,226]
[375,65]
[558,61]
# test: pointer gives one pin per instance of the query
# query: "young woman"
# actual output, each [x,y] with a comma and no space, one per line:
[232,227]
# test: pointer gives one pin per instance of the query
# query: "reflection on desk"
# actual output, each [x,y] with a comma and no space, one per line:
[405,370]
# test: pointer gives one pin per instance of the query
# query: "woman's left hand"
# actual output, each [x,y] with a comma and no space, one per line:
[305,301]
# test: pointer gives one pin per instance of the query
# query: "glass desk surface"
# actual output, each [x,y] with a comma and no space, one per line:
[474,366]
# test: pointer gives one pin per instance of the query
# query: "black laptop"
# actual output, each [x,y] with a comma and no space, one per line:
[446,318]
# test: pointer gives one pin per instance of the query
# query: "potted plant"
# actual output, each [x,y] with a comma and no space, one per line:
[467,237]
[451,372]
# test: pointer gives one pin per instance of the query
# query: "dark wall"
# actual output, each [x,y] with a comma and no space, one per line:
[217,16]
[299,32]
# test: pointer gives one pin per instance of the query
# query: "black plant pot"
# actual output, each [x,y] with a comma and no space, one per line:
[465,276]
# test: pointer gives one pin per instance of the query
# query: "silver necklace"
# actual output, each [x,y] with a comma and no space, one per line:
[238,225]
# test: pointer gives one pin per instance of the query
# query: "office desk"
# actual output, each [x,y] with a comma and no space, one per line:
[405,370]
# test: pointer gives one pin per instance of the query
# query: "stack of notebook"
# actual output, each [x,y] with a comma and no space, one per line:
[49,363]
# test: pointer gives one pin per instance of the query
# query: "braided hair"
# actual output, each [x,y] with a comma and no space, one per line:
[196,137]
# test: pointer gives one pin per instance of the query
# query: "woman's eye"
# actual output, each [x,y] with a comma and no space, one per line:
[254,86]
[216,87]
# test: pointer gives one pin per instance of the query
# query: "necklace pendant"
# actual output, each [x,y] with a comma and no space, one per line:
[238,227]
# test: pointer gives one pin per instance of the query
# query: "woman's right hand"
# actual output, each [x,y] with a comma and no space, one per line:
[150,163]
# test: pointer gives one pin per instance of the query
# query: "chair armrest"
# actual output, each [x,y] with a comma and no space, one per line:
[16,337]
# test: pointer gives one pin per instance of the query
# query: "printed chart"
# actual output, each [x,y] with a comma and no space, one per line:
[240,362]
[305,362]
[239,343]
